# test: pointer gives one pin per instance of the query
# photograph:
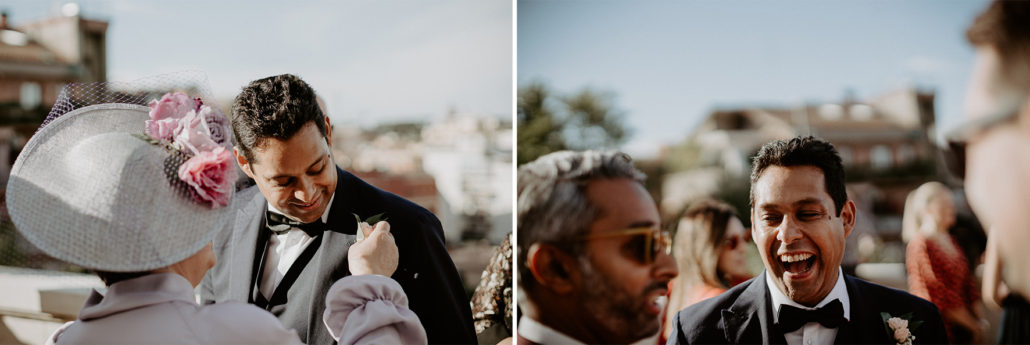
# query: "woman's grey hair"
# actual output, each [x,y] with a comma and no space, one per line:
[552,202]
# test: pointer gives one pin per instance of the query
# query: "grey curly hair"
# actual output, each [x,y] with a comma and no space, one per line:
[552,202]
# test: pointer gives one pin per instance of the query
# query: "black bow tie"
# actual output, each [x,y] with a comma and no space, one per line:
[279,225]
[791,318]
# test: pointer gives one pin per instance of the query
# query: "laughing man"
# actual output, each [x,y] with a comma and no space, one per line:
[801,216]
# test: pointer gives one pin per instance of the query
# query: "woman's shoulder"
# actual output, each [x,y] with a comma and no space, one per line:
[236,312]
[238,322]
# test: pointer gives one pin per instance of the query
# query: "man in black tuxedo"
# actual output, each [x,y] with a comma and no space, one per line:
[593,261]
[292,230]
[800,217]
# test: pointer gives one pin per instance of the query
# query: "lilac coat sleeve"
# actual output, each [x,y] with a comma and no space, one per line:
[371,309]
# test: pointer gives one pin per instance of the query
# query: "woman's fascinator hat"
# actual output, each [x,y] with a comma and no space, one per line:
[120,186]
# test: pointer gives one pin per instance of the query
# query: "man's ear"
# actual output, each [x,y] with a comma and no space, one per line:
[242,162]
[552,268]
[848,214]
[328,132]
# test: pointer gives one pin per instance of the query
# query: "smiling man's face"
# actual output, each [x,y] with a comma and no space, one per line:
[296,175]
[798,233]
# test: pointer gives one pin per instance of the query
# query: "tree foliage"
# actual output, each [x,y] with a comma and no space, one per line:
[548,122]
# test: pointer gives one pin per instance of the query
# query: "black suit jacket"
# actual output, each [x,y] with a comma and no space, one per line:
[743,315]
[425,270]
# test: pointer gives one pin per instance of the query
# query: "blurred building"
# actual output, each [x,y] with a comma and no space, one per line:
[388,159]
[36,60]
[887,145]
[459,168]
[471,158]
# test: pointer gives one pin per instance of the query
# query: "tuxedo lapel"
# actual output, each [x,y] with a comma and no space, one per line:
[298,266]
[246,228]
[345,205]
[847,333]
[865,325]
[330,261]
[341,228]
[749,319]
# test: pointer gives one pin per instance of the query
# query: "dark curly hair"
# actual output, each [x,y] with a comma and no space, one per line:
[803,151]
[274,107]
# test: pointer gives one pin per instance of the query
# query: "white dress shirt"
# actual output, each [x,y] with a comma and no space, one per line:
[811,333]
[283,250]
[540,334]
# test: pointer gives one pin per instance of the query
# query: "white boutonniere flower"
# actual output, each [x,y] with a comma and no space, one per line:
[898,327]
[367,223]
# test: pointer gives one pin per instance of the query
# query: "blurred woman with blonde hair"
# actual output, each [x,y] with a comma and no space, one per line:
[710,250]
[937,269]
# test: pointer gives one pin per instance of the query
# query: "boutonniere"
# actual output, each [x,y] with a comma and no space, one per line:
[368,222]
[900,328]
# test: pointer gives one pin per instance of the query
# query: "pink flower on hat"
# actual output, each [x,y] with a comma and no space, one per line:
[165,114]
[201,133]
[211,175]
[195,136]
[218,126]
[163,129]
[171,105]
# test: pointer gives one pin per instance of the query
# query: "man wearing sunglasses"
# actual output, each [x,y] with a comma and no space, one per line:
[593,263]
[801,216]
[989,150]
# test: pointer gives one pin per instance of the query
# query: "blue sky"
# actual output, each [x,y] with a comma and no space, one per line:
[670,63]
[372,61]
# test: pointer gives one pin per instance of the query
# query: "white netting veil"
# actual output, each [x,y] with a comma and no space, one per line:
[140,91]
[91,189]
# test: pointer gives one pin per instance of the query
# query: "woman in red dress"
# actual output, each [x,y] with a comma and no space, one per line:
[937,269]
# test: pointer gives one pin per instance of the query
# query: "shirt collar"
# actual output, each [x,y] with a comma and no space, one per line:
[136,293]
[540,334]
[325,214]
[840,291]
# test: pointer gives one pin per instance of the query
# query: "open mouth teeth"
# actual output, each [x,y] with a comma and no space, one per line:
[797,263]
[795,257]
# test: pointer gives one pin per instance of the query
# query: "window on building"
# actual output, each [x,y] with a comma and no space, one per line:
[880,157]
[31,95]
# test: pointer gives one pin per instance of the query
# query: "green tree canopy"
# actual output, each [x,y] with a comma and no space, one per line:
[548,122]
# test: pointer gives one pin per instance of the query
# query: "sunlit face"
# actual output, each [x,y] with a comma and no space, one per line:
[733,251]
[296,175]
[798,234]
[619,288]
